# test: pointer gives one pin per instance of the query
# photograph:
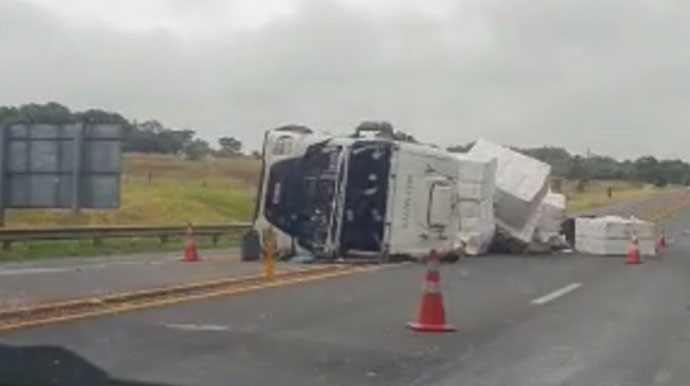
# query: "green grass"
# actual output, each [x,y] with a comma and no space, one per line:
[596,196]
[72,248]
[179,191]
[156,190]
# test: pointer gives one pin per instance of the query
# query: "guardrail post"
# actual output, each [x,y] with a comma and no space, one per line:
[215,239]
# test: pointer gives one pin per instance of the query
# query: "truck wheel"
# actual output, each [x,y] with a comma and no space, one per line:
[452,257]
[251,246]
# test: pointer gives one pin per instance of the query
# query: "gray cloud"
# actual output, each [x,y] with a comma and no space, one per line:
[610,75]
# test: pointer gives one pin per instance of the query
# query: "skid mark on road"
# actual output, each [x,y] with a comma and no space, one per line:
[556,294]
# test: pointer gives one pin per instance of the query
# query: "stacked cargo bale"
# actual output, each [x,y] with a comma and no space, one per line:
[551,216]
[476,187]
[521,185]
[611,235]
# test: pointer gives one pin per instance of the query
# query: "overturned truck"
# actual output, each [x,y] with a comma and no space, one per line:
[366,195]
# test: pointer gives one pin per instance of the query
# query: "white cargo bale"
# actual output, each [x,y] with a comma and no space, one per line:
[521,184]
[481,171]
[551,215]
[476,209]
[476,178]
[613,247]
[476,185]
[611,235]
[614,227]
[477,232]
[474,191]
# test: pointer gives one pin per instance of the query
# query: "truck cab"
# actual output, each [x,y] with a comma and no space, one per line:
[366,195]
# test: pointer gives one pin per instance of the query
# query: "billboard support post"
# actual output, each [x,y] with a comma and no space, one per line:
[76,169]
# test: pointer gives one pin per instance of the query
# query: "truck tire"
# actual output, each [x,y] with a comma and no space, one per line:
[251,246]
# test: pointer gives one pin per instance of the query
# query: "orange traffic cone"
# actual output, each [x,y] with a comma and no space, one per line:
[633,252]
[190,254]
[432,316]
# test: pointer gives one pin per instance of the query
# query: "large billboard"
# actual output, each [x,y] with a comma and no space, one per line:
[74,165]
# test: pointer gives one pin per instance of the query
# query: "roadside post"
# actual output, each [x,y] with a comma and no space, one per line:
[190,252]
[269,262]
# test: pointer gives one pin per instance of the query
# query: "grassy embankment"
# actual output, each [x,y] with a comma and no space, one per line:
[596,194]
[178,191]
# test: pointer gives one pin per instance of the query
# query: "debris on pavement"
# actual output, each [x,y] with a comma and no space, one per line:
[611,235]
[548,235]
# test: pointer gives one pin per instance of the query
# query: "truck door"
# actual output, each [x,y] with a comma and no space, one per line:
[422,202]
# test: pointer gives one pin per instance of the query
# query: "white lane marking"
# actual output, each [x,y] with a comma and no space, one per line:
[197,327]
[25,271]
[74,268]
[556,294]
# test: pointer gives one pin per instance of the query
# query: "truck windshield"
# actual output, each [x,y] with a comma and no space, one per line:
[301,194]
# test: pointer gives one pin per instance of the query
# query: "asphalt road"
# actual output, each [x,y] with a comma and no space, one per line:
[43,281]
[540,320]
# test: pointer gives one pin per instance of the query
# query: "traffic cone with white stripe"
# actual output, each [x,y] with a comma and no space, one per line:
[634,256]
[432,316]
[190,254]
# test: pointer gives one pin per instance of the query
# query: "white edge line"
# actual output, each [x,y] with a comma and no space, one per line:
[556,294]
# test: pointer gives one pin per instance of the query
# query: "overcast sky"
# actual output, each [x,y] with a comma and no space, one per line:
[611,75]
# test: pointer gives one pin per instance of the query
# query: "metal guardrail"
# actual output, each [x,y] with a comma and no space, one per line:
[98,233]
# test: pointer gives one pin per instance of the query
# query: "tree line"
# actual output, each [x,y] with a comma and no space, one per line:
[149,136]
[645,169]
